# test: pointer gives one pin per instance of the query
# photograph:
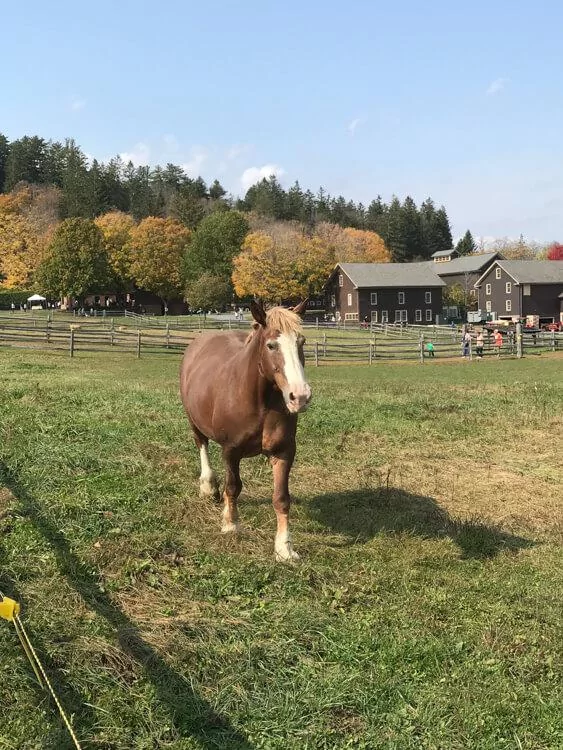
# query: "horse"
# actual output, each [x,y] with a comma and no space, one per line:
[244,392]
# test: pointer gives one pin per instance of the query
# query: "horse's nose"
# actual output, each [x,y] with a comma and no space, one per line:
[299,396]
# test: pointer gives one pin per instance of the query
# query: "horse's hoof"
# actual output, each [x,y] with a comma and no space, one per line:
[230,528]
[287,556]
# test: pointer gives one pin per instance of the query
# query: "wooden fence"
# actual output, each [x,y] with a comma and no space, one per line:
[323,345]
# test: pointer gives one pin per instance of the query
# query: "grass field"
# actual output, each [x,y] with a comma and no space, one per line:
[426,611]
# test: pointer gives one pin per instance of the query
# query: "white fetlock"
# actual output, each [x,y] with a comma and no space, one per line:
[283,548]
[229,528]
[208,488]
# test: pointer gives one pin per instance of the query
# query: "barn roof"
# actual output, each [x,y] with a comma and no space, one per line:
[364,275]
[465,264]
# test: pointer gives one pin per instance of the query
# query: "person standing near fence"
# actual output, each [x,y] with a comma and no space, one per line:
[466,344]
[430,349]
[497,341]
[479,343]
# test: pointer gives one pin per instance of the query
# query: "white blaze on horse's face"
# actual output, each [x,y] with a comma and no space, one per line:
[296,391]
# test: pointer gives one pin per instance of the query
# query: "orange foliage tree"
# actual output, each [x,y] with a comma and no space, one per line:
[156,248]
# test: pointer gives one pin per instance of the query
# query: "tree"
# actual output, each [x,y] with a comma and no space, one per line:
[4,149]
[454,295]
[23,238]
[216,241]
[555,251]
[76,197]
[516,249]
[466,245]
[267,268]
[217,191]
[26,161]
[209,292]
[116,228]
[157,247]
[76,262]
[443,230]
[412,230]
[395,232]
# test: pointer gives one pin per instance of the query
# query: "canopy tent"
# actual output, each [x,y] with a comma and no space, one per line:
[36,298]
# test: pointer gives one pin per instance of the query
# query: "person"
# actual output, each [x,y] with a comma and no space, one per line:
[497,341]
[366,322]
[466,344]
[430,349]
[13,307]
[511,341]
[479,343]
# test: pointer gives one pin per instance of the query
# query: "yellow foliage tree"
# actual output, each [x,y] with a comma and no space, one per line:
[157,247]
[363,246]
[267,269]
[116,228]
[22,241]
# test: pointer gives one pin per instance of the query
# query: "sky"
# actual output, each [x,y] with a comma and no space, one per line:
[460,102]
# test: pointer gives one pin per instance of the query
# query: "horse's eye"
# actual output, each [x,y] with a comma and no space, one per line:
[272,345]
[301,340]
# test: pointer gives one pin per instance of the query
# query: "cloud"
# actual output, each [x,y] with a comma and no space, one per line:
[495,86]
[353,125]
[237,150]
[252,175]
[140,156]
[77,104]
[198,157]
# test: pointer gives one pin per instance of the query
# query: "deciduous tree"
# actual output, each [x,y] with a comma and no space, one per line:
[157,247]
[216,241]
[209,292]
[116,228]
[555,251]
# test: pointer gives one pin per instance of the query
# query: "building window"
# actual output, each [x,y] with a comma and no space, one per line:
[350,316]
[508,287]
[341,280]
[401,316]
[333,300]
[374,316]
[349,300]
[374,298]
[527,291]
[508,305]
[385,316]
[418,316]
[488,289]
[489,306]
[401,298]
[429,315]
[473,293]
[498,273]
[428,298]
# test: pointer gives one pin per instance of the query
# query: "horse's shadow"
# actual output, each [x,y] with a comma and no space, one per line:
[363,513]
[189,713]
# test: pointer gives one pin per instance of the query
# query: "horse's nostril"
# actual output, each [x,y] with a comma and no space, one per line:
[292,397]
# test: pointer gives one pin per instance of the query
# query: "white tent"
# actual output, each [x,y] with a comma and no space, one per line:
[36,298]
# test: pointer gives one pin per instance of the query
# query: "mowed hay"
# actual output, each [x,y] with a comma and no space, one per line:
[424,613]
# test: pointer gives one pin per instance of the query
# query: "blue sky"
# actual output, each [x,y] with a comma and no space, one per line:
[462,102]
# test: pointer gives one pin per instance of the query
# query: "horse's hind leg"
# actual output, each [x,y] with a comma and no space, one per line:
[208,487]
[233,487]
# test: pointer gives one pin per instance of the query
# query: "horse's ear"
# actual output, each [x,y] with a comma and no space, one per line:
[301,307]
[258,312]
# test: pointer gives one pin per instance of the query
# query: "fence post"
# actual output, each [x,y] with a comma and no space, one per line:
[316,353]
[71,345]
[519,347]
[374,349]
[553,341]
[168,335]
[421,348]
[324,345]
[47,333]
[138,344]
[370,352]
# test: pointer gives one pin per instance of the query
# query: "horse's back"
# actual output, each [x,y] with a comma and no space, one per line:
[206,362]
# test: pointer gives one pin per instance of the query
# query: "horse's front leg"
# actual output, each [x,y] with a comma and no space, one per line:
[281,466]
[233,487]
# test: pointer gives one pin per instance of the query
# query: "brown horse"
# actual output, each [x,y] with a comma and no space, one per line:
[244,391]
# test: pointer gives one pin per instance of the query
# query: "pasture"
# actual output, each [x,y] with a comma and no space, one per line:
[426,611]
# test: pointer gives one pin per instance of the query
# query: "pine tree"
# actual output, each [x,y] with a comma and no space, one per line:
[25,162]
[412,230]
[466,244]
[4,149]
[376,217]
[430,238]
[443,230]
[75,200]
[395,240]
[217,191]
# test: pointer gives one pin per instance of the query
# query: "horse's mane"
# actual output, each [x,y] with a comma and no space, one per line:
[283,320]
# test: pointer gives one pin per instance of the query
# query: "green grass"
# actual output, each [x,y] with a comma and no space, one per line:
[426,610]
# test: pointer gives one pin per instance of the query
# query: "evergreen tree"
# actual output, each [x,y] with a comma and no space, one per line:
[430,235]
[217,191]
[137,181]
[296,209]
[412,230]
[443,230]
[376,218]
[466,244]
[25,161]
[75,198]
[4,149]
[395,232]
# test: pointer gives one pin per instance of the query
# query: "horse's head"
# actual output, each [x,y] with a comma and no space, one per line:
[281,355]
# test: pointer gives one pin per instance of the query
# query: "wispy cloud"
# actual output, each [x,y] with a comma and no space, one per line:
[496,86]
[239,149]
[252,175]
[198,156]
[140,155]
[354,124]
[77,104]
